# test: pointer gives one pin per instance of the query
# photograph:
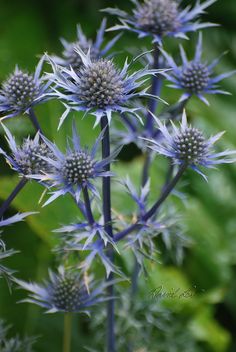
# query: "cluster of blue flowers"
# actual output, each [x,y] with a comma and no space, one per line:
[87,79]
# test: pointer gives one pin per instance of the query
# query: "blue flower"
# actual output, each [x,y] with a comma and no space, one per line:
[186,145]
[99,87]
[74,170]
[21,91]
[66,291]
[71,58]
[27,159]
[195,77]
[159,18]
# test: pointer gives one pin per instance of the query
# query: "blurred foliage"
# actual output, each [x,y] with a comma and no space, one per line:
[206,321]
[14,344]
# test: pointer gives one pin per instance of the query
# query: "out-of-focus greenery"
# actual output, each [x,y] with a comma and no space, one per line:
[206,321]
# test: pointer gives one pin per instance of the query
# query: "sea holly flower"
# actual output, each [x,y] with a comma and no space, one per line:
[66,291]
[21,91]
[71,58]
[74,170]
[186,145]
[27,158]
[160,18]
[99,87]
[195,77]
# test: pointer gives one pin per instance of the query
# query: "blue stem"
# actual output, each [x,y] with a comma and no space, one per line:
[136,268]
[106,190]
[128,122]
[155,90]
[34,120]
[88,206]
[146,167]
[6,204]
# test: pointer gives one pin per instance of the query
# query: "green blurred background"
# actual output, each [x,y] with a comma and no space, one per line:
[29,28]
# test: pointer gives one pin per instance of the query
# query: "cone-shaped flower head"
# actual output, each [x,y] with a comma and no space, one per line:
[71,58]
[27,159]
[187,145]
[75,169]
[195,77]
[78,167]
[99,87]
[65,291]
[160,18]
[21,91]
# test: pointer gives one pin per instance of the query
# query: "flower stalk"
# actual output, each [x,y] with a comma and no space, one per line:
[155,89]
[5,205]
[108,228]
[34,120]
[87,203]
[67,332]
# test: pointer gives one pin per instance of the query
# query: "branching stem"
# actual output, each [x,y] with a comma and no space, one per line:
[106,192]
[34,120]
[6,204]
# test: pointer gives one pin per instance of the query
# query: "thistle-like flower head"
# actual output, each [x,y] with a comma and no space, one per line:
[187,145]
[75,169]
[159,18]
[71,58]
[27,158]
[21,91]
[65,291]
[99,87]
[195,77]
